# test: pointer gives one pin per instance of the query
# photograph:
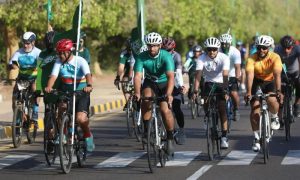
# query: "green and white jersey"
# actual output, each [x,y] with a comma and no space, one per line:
[155,67]
[125,58]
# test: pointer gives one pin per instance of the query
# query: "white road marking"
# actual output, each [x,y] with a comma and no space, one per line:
[183,158]
[243,157]
[200,172]
[13,159]
[292,158]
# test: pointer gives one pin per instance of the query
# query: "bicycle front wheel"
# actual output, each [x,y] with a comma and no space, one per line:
[151,147]
[17,127]
[66,150]
[128,119]
[287,118]
[193,109]
[264,136]
[210,139]
[50,137]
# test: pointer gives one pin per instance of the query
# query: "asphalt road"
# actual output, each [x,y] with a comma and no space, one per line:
[119,157]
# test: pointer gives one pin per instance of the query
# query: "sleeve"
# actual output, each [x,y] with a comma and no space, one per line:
[170,65]
[237,57]
[85,67]
[249,65]
[15,57]
[122,59]
[56,68]
[226,64]
[187,63]
[87,55]
[178,61]
[199,64]
[132,61]
[138,65]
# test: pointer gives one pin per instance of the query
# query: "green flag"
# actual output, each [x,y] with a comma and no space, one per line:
[48,7]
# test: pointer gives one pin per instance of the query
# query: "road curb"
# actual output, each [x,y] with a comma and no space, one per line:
[6,131]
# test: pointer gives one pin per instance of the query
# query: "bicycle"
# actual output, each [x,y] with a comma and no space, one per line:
[134,125]
[265,132]
[229,112]
[71,140]
[213,129]
[195,105]
[156,136]
[22,113]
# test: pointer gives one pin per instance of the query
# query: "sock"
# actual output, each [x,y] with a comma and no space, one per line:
[256,134]
[87,135]
[224,133]
[273,115]
[170,135]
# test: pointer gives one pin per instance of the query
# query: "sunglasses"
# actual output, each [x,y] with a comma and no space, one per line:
[60,53]
[211,49]
[27,43]
[289,48]
[152,45]
[262,47]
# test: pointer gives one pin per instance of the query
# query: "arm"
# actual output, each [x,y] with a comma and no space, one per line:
[225,79]
[238,71]
[50,83]
[137,84]
[170,87]
[197,80]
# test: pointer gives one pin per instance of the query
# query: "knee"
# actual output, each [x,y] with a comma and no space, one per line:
[82,118]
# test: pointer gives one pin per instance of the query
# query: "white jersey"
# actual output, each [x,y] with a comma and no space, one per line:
[235,58]
[213,68]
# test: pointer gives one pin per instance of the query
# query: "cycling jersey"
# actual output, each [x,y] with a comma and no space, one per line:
[235,58]
[67,70]
[213,68]
[178,66]
[85,54]
[125,58]
[264,68]
[27,62]
[292,60]
[155,67]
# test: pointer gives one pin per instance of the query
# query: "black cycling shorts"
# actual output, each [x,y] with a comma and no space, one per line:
[233,84]
[82,103]
[218,90]
[159,89]
[266,86]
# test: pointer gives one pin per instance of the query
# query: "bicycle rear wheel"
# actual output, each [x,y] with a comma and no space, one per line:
[50,137]
[264,142]
[151,147]
[17,127]
[66,149]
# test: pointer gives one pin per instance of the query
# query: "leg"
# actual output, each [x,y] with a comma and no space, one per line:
[273,108]
[254,120]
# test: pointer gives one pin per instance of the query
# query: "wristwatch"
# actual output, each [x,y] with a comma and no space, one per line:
[89,85]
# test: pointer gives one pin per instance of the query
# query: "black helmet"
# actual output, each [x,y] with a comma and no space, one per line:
[287,41]
[197,48]
[48,39]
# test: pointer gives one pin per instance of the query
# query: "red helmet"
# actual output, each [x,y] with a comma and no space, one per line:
[64,45]
[168,44]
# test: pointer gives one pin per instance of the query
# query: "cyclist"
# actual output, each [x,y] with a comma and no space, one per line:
[125,69]
[26,60]
[234,72]
[290,56]
[190,67]
[263,69]
[215,68]
[84,51]
[169,45]
[159,80]
[64,67]
[243,51]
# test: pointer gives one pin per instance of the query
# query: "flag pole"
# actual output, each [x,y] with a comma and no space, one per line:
[75,72]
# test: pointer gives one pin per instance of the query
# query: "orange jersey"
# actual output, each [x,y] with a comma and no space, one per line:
[264,68]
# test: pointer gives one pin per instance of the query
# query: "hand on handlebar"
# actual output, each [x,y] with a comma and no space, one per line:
[116,81]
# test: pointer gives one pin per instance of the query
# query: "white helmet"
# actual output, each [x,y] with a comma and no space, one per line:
[153,38]
[144,48]
[225,38]
[29,36]
[264,40]
[212,42]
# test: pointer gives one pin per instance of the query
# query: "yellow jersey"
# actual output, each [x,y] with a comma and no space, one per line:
[263,68]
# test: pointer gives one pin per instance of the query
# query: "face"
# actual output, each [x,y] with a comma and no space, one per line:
[225,47]
[212,52]
[153,49]
[197,54]
[288,50]
[262,51]
[28,46]
[64,56]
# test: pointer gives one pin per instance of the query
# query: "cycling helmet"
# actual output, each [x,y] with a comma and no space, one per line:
[168,44]
[197,48]
[153,38]
[264,40]
[143,48]
[287,41]
[82,35]
[48,39]
[29,37]
[64,45]
[239,43]
[212,42]
[225,38]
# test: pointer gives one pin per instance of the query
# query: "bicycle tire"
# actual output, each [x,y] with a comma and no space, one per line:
[229,114]
[264,137]
[134,118]
[210,138]
[50,147]
[17,127]
[193,108]
[81,149]
[217,133]
[128,119]
[66,150]
[151,147]
[32,126]
[287,118]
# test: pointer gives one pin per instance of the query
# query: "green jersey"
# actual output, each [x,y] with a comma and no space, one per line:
[155,67]
[85,54]
[125,58]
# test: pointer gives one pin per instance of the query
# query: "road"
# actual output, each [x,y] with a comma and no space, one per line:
[119,157]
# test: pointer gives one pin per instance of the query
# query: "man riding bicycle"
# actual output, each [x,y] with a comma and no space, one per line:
[215,67]
[125,69]
[26,60]
[64,67]
[169,44]
[263,69]
[290,56]
[234,71]
[158,66]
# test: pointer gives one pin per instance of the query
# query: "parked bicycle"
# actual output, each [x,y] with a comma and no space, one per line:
[22,123]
